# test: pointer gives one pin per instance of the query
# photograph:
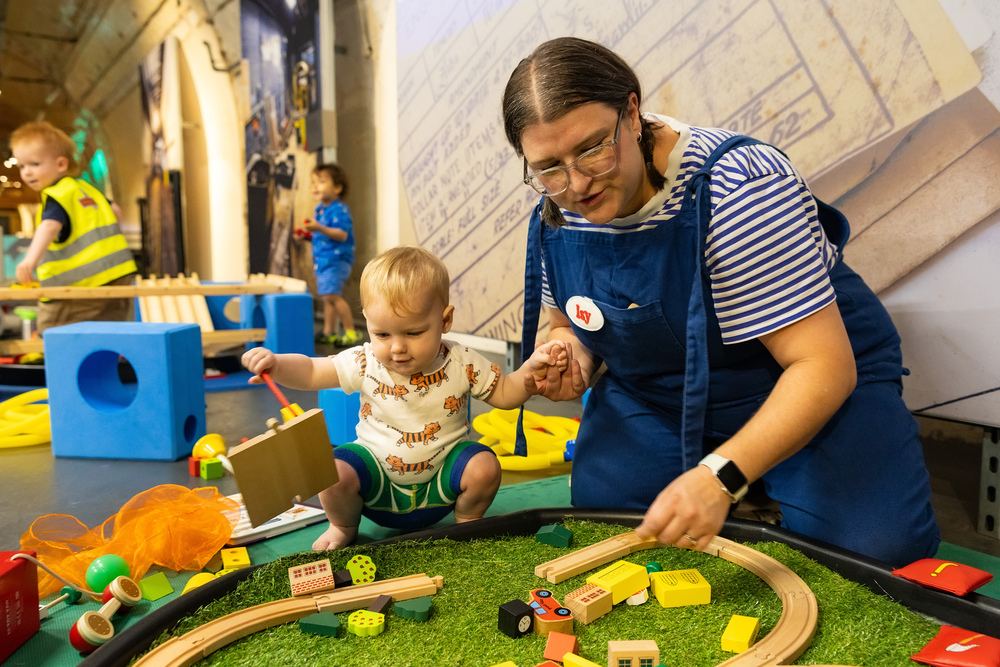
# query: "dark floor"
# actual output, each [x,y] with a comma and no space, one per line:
[34,483]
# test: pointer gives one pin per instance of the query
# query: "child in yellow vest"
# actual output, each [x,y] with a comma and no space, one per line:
[77,240]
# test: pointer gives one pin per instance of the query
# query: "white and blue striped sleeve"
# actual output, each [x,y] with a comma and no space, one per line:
[767,255]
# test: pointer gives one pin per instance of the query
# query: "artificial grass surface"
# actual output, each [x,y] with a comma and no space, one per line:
[856,627]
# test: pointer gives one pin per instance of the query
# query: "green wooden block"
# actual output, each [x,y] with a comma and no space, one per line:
[155,586]
[417,609]
[211,469]
[554,535]
[323,623]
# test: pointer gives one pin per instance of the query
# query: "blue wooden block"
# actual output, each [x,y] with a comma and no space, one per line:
[341,414]
[288,319]
[95,413]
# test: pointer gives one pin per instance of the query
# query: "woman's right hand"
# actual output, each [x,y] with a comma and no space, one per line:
[257,360]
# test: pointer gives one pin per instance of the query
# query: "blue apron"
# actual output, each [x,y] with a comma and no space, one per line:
[672,392]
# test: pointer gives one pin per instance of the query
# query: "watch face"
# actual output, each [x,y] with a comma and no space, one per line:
[732,477]
[524,624]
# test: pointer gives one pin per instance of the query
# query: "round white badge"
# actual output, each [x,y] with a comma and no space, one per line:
[584,313]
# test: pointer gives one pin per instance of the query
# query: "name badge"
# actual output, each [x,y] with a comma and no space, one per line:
[584,313]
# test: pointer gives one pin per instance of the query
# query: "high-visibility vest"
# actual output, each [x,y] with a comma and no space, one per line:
[96,251]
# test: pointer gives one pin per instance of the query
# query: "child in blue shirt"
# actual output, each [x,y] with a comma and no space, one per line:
[333,252]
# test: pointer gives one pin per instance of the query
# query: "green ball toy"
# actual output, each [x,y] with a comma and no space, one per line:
[104,570]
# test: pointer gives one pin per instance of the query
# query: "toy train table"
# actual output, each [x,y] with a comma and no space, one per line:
[816,604]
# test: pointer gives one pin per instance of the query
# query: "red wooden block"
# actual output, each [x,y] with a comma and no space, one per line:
[559,644]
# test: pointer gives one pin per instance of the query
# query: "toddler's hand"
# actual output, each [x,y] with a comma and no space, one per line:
[25,272]
[257,360]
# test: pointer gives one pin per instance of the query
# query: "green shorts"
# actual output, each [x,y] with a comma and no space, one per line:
[382,495]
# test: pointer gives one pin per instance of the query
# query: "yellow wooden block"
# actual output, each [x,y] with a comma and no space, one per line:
[508,663]
[235,558]
[622,579]
[740,634]
[681,588]
[573,660]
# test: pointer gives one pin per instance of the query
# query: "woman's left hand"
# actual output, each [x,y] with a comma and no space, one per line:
[689,512]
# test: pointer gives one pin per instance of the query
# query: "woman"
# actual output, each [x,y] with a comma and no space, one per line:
[698,268]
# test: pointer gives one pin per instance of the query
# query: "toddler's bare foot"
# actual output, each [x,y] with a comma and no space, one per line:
[335,537]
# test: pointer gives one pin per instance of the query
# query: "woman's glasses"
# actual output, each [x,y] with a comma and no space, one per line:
[598,161]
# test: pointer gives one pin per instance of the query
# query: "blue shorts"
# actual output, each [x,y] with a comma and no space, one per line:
[330,278]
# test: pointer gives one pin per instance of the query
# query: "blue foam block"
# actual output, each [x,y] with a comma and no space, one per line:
[97,414]
[341,414]
[288,319]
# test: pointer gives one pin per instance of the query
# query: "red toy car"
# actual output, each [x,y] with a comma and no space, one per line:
[546,607]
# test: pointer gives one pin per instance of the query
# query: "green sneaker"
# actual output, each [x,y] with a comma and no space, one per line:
[326,339]
[350,338]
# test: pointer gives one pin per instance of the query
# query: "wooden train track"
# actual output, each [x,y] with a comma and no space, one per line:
[791,635]
[200,642]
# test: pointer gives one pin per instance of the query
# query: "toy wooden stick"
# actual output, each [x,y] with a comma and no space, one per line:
[288,410]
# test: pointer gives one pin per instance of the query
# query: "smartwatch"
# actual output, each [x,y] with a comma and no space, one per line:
[734,482]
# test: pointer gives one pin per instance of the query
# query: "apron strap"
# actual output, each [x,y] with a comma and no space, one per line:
[532,307]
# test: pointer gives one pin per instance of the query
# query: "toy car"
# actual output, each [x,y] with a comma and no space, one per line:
[546,608]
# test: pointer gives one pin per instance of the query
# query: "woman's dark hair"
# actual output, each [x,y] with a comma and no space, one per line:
[336,174]
[561,74]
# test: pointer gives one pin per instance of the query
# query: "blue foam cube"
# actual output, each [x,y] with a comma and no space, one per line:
[341,413]
[288,319]
[97,411]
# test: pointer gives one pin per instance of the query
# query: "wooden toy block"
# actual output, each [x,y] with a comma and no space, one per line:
[364,623]
[506,663]
[292,461]
[640,652]
[235,558]
[194,465]
[199,579]
[571,660]
[621,578]
[558,644]
[550,616]
[358,597]
[638,598]
[362,569]
[155,586]
[740,634]
[554,535]
[310,578]
[343,578]
[381,605]
[681,588]
[323,623]
[418,609]
[588,603]
[515,618]
[211,468]
[547,663]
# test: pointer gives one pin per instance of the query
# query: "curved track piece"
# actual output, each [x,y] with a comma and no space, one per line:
[195,645]
[791,635]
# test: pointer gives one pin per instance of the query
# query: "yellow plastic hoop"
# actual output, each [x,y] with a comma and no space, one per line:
[23,424]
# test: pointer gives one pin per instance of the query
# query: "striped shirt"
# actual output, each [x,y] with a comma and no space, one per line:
[766,252]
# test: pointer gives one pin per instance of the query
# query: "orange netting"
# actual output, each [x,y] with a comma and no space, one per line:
[168,525]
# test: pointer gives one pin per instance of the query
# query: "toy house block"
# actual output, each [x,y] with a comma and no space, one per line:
[740,634]
[211,469]
[364,623]
[622,579]
[288,319]
[235,558]
[342,414]
[572,660]
[681,588]
[311,578]
[558,644]
[554,535]
[96,414]
[291,460]
[633,653]
[323,623]
[515,618]
[588,603]
[417,609]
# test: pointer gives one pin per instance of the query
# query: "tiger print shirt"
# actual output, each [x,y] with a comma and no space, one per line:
[410,423]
